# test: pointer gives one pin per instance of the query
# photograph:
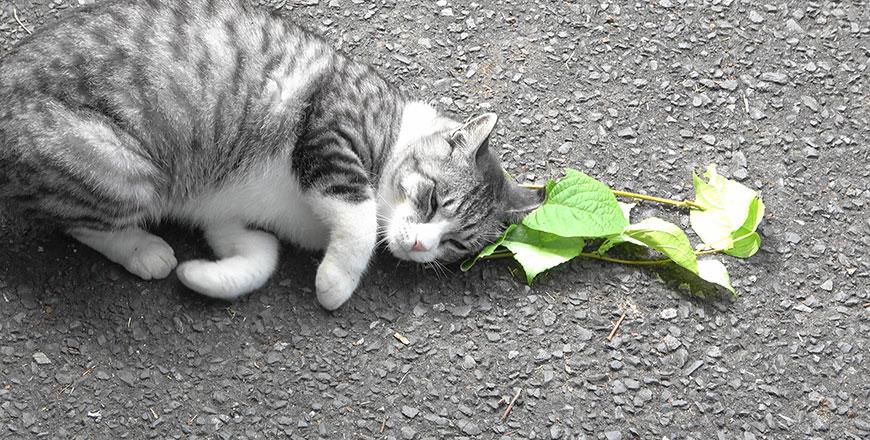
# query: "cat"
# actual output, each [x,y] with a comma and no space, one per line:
[244,124]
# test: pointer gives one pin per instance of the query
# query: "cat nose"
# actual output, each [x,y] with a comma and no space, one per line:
[418,247]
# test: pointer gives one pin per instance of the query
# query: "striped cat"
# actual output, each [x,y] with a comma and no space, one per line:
[222,116]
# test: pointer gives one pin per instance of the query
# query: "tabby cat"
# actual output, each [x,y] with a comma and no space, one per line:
[247,126]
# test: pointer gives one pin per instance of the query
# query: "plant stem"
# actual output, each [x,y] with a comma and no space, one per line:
[678,203]
[594,256]
[690,204]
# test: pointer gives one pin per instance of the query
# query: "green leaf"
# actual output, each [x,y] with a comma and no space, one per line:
[746,240]
[539,251]
[578,206]
[714,271]
[487,251]
[664,237]
[616,240]
[731,211]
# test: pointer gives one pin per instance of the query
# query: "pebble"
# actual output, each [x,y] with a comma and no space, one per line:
[471,428]
[40,358]
[565,148]
[827,285]
[626,132]
[408,433]
[468,362]
[775,77]
[810,102]
[409,412]
[618,387]
[668,313]
[613,435]
[755,17]
[793,27]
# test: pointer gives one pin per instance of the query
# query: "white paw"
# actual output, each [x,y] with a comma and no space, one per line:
[151,258]
[334,285]
[219,279]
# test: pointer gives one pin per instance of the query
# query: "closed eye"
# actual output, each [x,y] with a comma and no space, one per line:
[456,244]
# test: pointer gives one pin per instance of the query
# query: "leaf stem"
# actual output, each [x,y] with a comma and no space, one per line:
[689,204]
[678,203]
[594,256]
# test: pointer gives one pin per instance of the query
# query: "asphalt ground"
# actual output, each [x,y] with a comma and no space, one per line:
[637,93]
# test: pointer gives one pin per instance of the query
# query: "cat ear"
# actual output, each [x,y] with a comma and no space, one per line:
[473,136]
[520,201]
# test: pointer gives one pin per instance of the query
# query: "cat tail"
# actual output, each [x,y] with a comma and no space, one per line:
[248,259]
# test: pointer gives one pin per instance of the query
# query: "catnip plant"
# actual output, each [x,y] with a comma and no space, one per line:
[581,217]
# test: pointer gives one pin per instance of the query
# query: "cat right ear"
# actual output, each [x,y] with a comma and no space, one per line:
[520,201]
[473,136]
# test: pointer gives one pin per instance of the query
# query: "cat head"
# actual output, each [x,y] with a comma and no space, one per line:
[446,195]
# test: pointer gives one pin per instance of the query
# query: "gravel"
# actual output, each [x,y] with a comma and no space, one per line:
[639,94]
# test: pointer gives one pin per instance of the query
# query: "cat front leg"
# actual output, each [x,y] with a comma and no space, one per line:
[353,229]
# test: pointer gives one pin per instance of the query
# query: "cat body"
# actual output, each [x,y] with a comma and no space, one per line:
[247,126]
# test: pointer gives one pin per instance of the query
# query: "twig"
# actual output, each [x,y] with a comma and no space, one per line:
[867,305]
[678,203]
[616,327]
[383,425]
[507,410]
[15,14]
[594,256]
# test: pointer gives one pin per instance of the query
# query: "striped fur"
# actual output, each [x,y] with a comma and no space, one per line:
[211,112]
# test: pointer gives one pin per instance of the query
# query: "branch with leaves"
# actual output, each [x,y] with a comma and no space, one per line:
[581,217]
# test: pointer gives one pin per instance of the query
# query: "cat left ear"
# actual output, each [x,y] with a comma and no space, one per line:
[520,201]
[473,136]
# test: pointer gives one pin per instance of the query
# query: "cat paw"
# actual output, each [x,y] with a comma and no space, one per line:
[151,258]
[334,285]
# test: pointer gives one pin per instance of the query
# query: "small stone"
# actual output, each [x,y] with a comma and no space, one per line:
[613,435]
[468,362]
[693,367]
[618,387]
[792,238]
[811,153]
[40,358]
[447,12]
[810,102]
[461,311]
[626,132]
[686,133]
[548,317]
[410,412]
[565,148]
[555,432]
[644,395]
[666,3]
[730,84]
[756,114]
[755,17]
[671,343]
[471,429]
[584,334]
[549,375]
[709,139]
[408,433]
[793,27]
[774,77]
[668,313]
[827,286]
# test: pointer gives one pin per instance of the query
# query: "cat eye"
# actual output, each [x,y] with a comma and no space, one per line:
[456,244]
[433,201]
